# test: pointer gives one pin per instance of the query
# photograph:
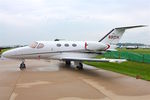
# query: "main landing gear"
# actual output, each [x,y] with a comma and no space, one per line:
[68,63]
[22,66]
[79,65]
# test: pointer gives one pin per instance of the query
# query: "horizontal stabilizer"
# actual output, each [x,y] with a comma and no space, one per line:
[129,27]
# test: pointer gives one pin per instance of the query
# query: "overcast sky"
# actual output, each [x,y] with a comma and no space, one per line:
[24,21]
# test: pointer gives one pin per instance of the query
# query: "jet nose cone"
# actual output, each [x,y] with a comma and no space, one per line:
[5,54]
[8,54]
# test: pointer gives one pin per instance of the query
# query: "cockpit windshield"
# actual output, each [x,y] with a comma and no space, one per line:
[37,45]
[33,45]
[41,45]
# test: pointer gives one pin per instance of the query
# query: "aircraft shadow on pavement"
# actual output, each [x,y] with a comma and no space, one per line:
[116,83]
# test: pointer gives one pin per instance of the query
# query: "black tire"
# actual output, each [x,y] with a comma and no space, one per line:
[68,63]
[80,67]
[22,66]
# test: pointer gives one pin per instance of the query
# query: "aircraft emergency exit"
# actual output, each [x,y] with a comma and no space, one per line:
[67,51]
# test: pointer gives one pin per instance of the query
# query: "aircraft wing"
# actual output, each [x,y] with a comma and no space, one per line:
[93,60]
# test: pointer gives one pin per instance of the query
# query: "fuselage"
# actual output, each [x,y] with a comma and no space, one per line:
[55,49]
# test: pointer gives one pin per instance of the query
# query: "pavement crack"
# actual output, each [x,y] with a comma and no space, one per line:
[95,86]
[13,95]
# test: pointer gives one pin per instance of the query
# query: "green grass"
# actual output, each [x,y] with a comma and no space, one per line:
[128,68]
[140,51]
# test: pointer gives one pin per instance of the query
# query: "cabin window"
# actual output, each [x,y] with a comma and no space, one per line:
[41,45]
[58,45]
[74,45]
[66,45]
[34,44]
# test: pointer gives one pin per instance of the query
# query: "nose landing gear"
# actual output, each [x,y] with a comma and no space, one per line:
[22,66]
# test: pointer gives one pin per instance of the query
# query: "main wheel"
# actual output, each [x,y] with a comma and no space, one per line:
[68,63]
[80,66]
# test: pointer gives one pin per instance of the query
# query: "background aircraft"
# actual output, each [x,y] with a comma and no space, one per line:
[76,51]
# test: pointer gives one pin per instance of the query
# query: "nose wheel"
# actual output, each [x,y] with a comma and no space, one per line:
[22,66]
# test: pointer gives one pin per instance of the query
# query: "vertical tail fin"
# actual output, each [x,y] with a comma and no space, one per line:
[115,35]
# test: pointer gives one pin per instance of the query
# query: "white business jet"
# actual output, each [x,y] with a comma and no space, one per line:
[67,51]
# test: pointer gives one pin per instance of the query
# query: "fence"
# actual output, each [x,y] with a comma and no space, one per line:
[145,58]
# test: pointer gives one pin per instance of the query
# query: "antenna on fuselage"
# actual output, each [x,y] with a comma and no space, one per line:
[58,39]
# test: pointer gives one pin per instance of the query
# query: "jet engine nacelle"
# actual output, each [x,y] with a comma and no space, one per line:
[96,46]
